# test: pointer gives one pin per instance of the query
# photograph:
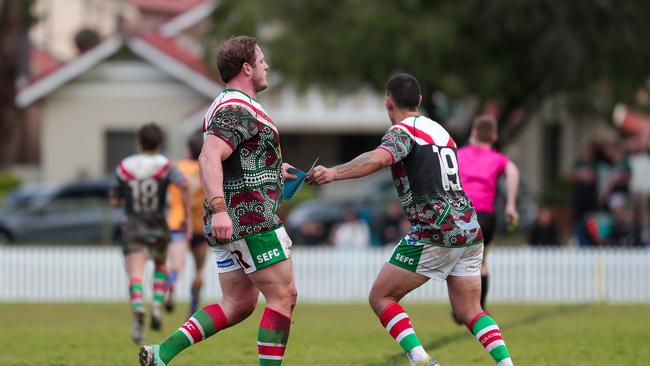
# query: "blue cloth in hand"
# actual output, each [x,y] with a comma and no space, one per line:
[291,186]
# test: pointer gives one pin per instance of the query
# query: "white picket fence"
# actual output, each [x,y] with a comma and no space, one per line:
[539,275]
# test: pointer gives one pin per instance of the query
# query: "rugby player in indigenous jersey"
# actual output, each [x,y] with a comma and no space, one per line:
[445,242]
[243,175]
[142,188]
[481,167]
[175,219]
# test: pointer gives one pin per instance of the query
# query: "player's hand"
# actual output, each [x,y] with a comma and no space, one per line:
[221,227]
[512,216]
[321,175]
[285,173]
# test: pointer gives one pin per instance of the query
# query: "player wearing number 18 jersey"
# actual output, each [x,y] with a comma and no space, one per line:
[142,188]
[445,241]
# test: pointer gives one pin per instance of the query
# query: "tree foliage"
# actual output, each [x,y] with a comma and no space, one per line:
[513,52]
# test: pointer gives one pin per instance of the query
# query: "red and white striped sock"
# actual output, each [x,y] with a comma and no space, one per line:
[159,281]
[135,294]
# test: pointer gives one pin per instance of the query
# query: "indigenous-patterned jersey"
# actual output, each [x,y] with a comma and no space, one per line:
[142,184]
[176,214]
[425,173]
[252,174]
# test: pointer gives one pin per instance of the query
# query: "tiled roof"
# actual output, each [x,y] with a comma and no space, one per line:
[166,6]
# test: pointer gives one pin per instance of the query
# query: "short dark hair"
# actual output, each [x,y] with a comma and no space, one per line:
[150,136]
[486,128]
[232,55]
[405,91]
[195,144]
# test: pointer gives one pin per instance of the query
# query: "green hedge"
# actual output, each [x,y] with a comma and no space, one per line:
[8,182]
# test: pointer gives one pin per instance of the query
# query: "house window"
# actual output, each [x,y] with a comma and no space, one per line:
[119,145]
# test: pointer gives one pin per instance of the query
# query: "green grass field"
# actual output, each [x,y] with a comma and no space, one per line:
[98,334]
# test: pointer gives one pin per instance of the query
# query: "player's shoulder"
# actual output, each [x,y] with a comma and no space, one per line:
[425,131]
[232,101]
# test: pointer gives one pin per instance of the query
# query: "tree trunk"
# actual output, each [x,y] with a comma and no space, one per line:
[11,34]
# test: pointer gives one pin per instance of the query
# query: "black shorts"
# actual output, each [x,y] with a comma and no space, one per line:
[488,224]
[196,240]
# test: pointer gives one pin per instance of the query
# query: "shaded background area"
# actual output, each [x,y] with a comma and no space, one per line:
[567,82]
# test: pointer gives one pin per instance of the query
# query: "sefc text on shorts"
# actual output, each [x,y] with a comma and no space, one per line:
[437,262]
[253,252]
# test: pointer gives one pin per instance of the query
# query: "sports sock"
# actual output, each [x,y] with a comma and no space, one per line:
[201,325]
[272,337]
[484,290]
[135,293]
[398,325]
[159,277]
[486,330]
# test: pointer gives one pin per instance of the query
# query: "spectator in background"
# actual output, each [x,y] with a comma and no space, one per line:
[625,230]
[311,233]
[583,177]
[389,225]
[640,185]
[544,231]
[613,176]
[352,233]
[480,169]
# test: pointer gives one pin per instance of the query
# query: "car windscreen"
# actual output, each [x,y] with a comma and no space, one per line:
[26,197]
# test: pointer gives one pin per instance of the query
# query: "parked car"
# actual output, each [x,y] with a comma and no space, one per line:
[70,213]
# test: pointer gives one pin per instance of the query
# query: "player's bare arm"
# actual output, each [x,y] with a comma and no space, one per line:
[512,189]
[214,151]
[364,164]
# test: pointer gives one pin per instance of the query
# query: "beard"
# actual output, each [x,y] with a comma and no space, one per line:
[259,84]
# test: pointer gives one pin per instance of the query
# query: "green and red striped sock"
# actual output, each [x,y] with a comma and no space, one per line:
[201,325]
[272,337]
[159,280]
[135,294]
[486,330]
[398,325]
